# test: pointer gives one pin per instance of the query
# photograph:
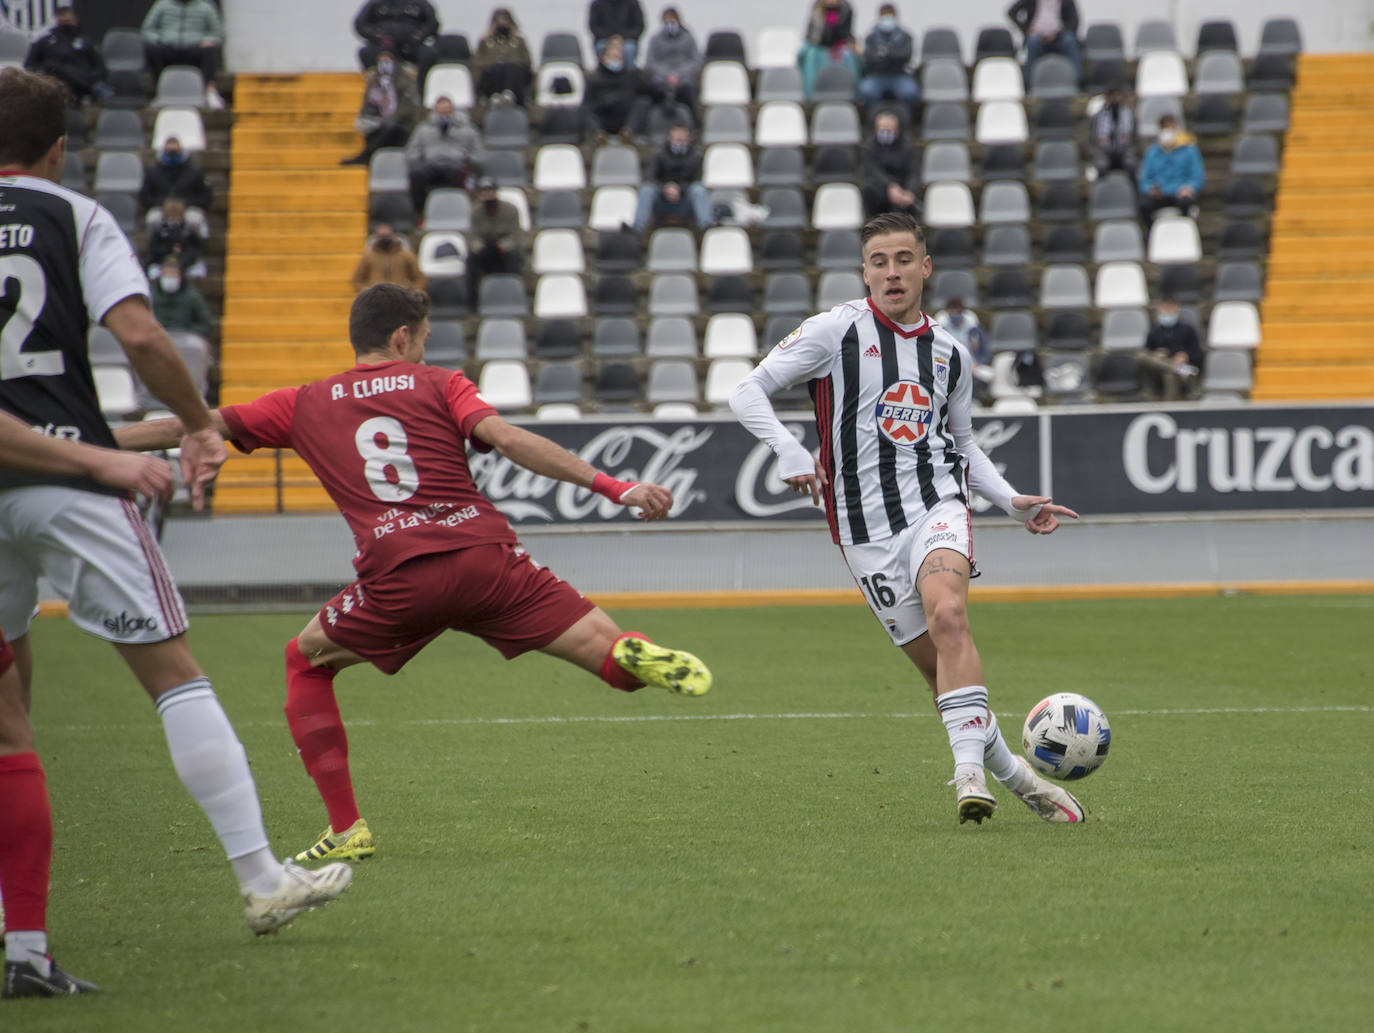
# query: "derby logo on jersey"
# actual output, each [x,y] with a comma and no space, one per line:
[790,338]
[903,412]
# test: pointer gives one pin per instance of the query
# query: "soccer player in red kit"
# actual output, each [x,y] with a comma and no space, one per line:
[387,440]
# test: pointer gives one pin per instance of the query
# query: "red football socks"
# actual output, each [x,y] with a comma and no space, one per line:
[312,714]
[25,841]
[616,676]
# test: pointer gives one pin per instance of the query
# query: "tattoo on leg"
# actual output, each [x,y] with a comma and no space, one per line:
[936,564]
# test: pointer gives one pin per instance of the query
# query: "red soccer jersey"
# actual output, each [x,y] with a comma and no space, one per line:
[387,443]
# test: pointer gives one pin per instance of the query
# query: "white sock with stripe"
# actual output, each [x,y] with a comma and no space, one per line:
[965,714]
[1001,762]
[213,766]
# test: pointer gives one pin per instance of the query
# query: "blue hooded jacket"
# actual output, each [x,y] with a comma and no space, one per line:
[1172,169]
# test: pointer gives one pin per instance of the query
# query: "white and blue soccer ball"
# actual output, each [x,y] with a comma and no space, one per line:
[1066,736]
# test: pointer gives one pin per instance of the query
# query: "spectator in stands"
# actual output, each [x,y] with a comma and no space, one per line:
[674,193]
[502,65]
[674,62]
[66,54]
[406,28]
[963,326]
[495,242]
[619,96]
[829,39]
[1050,26]
[1113,135]
[174,235]
[387,259]
[623,18]
[186,32]
[446,150]
[391,107]
[175,173]
[178,305]
[1172,174]
[887,53]
[891,171]
[1171,362]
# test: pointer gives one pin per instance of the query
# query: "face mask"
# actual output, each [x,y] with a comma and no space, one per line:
[886,137]
[613,65]
[386,67]
[887,23]
[672,28]
[956,319]
[491,205]
[173,157]
[169,284]
[66,30]
[678,148]
[1168,318]
[1167,138]
[502,31]
[387,243]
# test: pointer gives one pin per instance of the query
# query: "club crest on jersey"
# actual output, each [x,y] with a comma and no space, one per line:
[903,412]
[941,371]
[790,338]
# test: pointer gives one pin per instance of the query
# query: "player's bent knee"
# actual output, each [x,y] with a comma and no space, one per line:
[948,620]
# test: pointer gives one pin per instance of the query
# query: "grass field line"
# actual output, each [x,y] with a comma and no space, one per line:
[574,719]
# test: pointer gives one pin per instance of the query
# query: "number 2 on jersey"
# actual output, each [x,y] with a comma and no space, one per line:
[23,292]
[378,459]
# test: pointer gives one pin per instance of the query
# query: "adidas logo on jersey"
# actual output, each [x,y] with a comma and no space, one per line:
[873,352]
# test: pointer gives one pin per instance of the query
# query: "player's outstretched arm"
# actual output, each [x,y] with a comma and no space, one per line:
[549,459]
[23,449]
[1044,512]
[151,435]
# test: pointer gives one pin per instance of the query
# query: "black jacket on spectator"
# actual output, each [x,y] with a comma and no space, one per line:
[408,21]
[682,169]
[623,18]
[186,181]
[66,54]
[887,53]
[1181,337]
[889,163]
[165,239]
[611,97]
[1022,13]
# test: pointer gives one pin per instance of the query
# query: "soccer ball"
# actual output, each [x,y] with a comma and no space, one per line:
[1066,736]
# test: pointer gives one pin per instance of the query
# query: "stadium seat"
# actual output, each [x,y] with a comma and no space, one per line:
[1013,331]
[1255,156]
[835,164]
[554,74]
[1214,115]
[1102,42]
[1060,202]
[1245,198]
[1113,197]
[1160,73]
[725,250]
[387,171]
[446,345]
[558,382]
[834,84]
[1121,285]
[1152,35]
[993,42]
[562,124]
[722,377]
[617,384]
[1003,202]
[1065,286]
[1219,72]
[997,78]
[780,123]
[728,166]
[1003,161]
[618,251]
[787,293]
[103,347]
[1100,75]
[673,294]
[557,339]
[1234,324]
[183,123]
[122,50]
[616,335]
[776,47]
[1124,329]
[1008,288]
[1067,379]
[838,249]
[780,251]
[836,123]
[448,208]
[505,385]
[612,207]
[501,339]
[558,412]
[941,42]
[724,82]
[1069,330]
[559,166]
[786,208]
[1265,113]
[442,253]
[1118,240]
[1239,281]
[1174,239]
[74,172]
[1217,35]
[615,165]
[78,131]
[725,45]
[836,287]
[943,79]
[947,161]
[1117,377]
[1064,244]
[1271,72]
[948,204]
[672,380]
[952,283]
[392,207]
[1001,121]
[778,166]
[1054,76]
[506,167]
[949,248]
[118,130]
[453,47]
[502,294]
[118,172]
[671,336]
[180,86]
[1228,369]
[723,124]
[453,81]
[506,127]
[1183,283]
[615,294]
[672,250]
[1280,36]
[116,391]
[1054,120]
[731,294]
[730,334]
[782,83]
[1007,245]
[561,46]
[1057,160]
[838,206]
[944,122]
[448,297]
[557,251]
[1150,110]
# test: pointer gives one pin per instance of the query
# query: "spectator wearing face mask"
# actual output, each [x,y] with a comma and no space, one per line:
[406,28]
[175,235]
[1171,362]
[674,192]
[495,240]
[887,53]
[618,95]
[623,18]
[186,32]
[175,173]
[1113,135]
[177,304]
[674,62]
[446,150]
[502,64]
[387,259]
[390,109]
[1050,27]
[964,327]
[829,39]
[66,54]
[1172,174]
[891,172]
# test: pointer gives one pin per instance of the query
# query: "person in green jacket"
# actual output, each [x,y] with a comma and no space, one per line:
[186,32]
[177,304]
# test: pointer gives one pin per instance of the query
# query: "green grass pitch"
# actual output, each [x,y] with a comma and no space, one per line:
[781,855]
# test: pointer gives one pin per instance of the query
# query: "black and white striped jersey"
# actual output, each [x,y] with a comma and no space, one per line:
[64,262]
[893,408]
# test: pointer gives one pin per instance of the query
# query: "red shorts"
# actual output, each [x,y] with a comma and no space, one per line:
[496,592]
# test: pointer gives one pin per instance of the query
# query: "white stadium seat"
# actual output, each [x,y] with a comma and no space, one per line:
[948,204]
[453,81]
[727,166]
[1161,73]
[559,166]
[183,123]
[725,250]
[1121,285]
[557,251]
[560,296]
[612,207]
[730,335]
[724,82]
[505,385]
[780,123]
[1234,324]
[1174,239]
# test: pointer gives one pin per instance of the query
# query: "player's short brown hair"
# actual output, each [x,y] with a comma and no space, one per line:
[35,116]
[380,311]
[892,222]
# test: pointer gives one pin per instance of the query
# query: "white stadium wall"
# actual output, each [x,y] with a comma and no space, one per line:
[317,35]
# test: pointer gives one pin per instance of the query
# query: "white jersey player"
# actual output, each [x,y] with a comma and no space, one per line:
[892,393]
[63,263]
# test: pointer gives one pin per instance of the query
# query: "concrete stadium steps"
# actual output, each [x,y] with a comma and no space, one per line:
[1317,318]
[297,224]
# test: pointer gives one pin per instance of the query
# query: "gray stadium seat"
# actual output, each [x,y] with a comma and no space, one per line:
[671,336]
[1219,71]
[1227,370]
[1065,286]
[941,42]
[943,79]
[180,85]
[616,335]
[1265,113]
[1007,245]
[561,46]
[786,208]
[1069,330]
[501,338]
[780,166]
[446,345]
[788,293]
[726,124]
[1057,160]
[502,294]
[672,380]
[1118,240]
[558,382]
[1053,76]
[673,294]
[946,160]
[1113,197]
[506,167]
[1239,281]
[1255,156]
[1004,201]
[944,122]
[779,84]
[1280,36]
[672,250]
[838,249]
[615,165]
[448,209]
[834,82]
[1154,35]
[506,127]
[118,171]
[1013,331]
[1215,35]
[118,130]
[1102,42]
[1124,329]
[122,50]
[836,123]
[952,283]
[559,209]
[387,171]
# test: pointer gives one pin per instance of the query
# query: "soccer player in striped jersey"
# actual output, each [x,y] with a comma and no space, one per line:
[892,394]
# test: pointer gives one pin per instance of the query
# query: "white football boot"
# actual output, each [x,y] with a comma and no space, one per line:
[1050,801]
[301,889]
[972,799]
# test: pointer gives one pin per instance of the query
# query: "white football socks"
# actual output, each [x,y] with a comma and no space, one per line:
[999,760]
[30,946]
[965,714]
[213,766]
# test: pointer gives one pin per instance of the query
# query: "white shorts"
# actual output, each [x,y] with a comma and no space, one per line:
[886,570]
[100,556]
